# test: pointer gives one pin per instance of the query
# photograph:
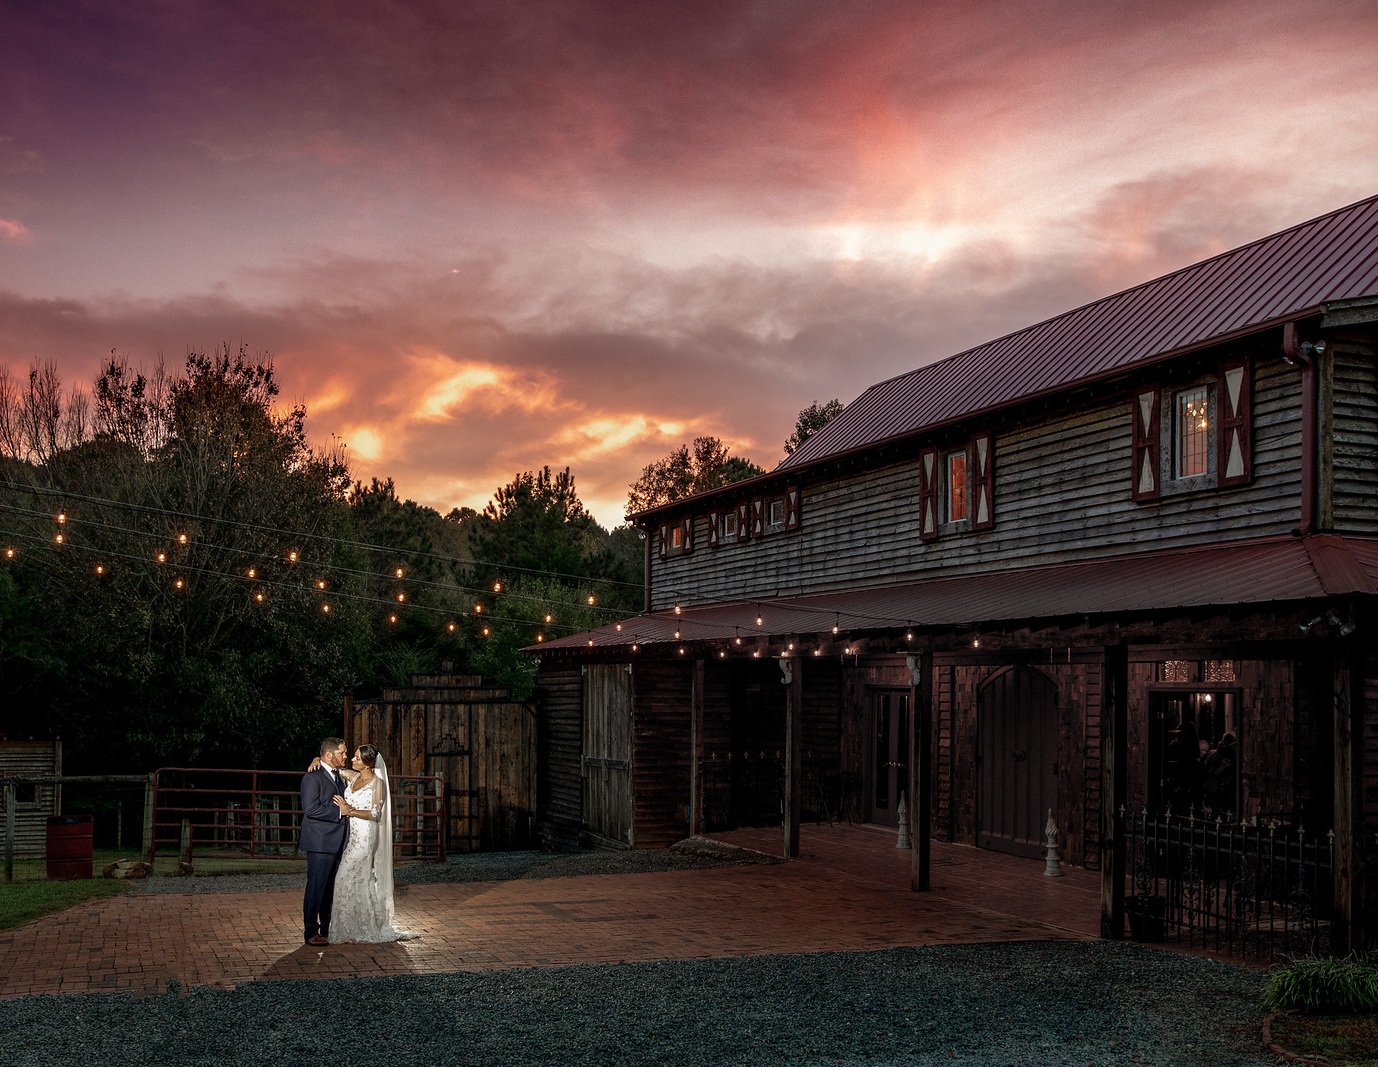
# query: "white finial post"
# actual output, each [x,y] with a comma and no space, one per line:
[1053,868]
[903,812]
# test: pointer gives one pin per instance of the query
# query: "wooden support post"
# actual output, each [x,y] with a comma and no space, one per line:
[696,751]
[9,830]
[792,670]
[442,818]
[1346,931]
[921,770]
[1114,727]
[150,793]
[184,848]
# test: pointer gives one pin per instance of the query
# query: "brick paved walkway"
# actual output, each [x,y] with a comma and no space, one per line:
[848,892]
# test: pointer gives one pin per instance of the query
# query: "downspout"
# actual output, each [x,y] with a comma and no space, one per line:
[646,572]
[1303,355]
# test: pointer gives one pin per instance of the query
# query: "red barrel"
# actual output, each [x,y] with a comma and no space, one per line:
[69,847]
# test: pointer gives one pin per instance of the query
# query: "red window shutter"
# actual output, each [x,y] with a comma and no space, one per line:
[714,521]
[1146,447]
[744,521]
[792,508]
[982,483]
[687,523]
[664,540]
[928,494]
[1234,461]
[758,517]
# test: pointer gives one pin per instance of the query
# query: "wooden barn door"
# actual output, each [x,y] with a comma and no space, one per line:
[1016,753]
[608,751]
[888,759]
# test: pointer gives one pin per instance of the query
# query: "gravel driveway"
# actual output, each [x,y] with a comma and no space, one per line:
[1039,1003]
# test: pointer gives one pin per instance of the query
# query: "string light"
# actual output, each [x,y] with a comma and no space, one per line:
[181,538]
[61,517]
[619,627]
[320,583]
[677,609]
[259,597]
[836,620]
[722,653]
[759,619]
[292,556]
[592,600]
[497,587]
[252,572]
[100,568]
[179,584]
[676,635]
[635,646]
[549,618]
[398,572]
[325,608]
[478,609]
[392,618]
[401,598]
[161,557]
[58,538]
[9,553]
[450,627]
[681,650]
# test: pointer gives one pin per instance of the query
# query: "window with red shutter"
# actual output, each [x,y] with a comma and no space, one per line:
[1146,446]
[792,508]
[928,494]
[1234,439]
[982,482]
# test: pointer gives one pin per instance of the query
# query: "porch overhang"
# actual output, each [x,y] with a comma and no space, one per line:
[1278,570]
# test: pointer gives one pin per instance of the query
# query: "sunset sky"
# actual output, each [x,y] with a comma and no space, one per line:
[476,238]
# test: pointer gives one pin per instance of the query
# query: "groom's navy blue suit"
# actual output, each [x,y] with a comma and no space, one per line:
[323,833]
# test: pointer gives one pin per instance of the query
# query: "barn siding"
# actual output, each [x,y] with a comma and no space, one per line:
[32,759]
[1062,494]
[1353,436]
[660,756]
[559,749]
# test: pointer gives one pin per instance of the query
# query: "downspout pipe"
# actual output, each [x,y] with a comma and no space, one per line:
[1303,355]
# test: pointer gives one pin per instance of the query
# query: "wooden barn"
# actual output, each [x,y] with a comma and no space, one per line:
[1124,560]
[34,802]
[476,738]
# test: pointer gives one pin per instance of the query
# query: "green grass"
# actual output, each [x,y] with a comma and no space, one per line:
[1322,985]
[22,902]
[31,896]
[1338,1040]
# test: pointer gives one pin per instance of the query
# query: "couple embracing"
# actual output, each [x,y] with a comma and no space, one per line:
[346,833]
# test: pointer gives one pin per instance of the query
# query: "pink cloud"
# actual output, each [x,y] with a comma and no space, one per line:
[15,232]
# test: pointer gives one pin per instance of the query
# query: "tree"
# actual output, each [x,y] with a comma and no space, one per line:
[684,473]
[812,419]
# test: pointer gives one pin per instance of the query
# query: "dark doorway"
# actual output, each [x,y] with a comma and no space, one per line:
[1016,755]
[1193,751]
[888,758]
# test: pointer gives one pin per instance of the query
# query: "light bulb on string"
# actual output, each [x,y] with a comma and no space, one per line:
[398,572]
[497,587]
[486,631]
[478,609]
[259,597]
[61,517]
[325,608]
[9,552]
[549,618]
[59,538]
[320,583]
[292,556]
[179,583]
[392,618]
[161,557]
[836,620]
[677,609]
[100,569]
[592,600]
[401,598]
[722,653]
[759,619]
[181,538]
[450,627]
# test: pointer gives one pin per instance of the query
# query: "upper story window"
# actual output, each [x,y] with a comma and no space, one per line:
[1191,432]
[957,488]
[776,513]
[1195,437]
[727,526]
[677,537]
[758,517]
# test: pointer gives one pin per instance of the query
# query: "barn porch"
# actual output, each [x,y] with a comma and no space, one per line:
[992,884]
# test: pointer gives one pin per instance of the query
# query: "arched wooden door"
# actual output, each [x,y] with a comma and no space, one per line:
[1016,756]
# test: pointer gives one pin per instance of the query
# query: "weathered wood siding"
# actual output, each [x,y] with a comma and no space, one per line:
[661,757]
[1352,436]
[31,759]
[559,753]
[1062,494]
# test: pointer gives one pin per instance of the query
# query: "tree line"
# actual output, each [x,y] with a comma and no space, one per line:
[187,580]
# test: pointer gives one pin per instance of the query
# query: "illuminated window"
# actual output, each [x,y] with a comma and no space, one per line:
[956,468]
[1191,433]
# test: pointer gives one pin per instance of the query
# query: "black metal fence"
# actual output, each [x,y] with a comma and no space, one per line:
[1259,890]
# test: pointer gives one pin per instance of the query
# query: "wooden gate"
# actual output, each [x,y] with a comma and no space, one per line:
[1016,752]
[608,752]
[476,738]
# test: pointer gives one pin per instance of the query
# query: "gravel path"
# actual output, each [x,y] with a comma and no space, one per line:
[1040,1003]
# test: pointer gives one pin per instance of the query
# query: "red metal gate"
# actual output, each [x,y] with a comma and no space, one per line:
[257,814]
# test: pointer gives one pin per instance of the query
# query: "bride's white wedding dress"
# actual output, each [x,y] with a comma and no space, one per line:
[363,908]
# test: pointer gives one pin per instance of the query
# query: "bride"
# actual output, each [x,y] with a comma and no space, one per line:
[363,887]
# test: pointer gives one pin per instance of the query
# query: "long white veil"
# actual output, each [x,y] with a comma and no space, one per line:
[382,859]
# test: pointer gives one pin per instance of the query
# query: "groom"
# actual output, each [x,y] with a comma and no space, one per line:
[323,832]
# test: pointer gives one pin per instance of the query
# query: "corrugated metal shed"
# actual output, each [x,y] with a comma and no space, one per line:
[1269,571]
[1287,276]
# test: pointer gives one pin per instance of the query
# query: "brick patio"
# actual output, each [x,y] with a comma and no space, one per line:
[847,892]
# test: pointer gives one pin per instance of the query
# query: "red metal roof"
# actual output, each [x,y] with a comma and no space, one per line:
[1255,572]
[1273,280]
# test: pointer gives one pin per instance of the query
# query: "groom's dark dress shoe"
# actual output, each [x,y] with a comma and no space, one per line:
[318,940]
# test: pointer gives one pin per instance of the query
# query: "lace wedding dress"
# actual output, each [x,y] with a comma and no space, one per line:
[363,908]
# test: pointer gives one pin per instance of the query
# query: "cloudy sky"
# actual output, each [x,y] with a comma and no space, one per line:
[479,237]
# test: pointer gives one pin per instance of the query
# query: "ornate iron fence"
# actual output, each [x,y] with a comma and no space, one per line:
[1258,890]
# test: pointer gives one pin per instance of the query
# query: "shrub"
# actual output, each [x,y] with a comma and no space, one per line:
[1322,985]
